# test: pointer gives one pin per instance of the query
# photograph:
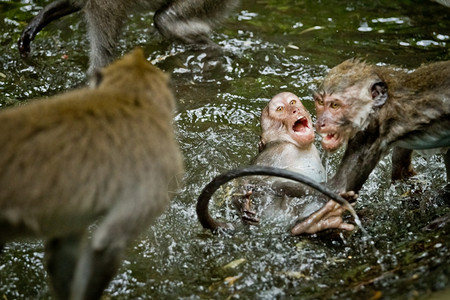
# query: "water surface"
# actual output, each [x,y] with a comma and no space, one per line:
[269,46]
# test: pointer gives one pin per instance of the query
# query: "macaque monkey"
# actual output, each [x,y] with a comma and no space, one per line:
[287,138]
[344,102]
[188,21]
[286,144]
[105,156]
[353,90]
[375,108]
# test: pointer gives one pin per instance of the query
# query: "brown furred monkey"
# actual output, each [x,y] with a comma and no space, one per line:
[286,144]
[106,155]
[188,21]
[393,108]
[353,90]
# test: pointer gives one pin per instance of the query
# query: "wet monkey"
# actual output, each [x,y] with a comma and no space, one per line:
[188,21]
[373,108]
[106,155]
[354,90]
[286,144]
[390,108]
[317,222]
[287,137]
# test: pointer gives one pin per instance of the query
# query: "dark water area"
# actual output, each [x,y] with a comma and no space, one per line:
[268,47]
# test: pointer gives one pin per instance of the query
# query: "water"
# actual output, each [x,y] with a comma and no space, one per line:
[269,47]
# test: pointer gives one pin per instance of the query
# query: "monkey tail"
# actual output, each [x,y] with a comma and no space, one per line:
[208,222]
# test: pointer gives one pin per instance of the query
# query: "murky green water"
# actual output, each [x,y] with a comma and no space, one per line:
[270,46]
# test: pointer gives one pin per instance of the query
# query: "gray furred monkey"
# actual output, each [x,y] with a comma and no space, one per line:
[106,155]
[374,108]
[188,21]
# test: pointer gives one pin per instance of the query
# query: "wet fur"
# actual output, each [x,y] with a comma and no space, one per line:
[106,154]
[416,115]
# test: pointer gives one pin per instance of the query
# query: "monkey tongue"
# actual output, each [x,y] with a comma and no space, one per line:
[300,125]
[331,141]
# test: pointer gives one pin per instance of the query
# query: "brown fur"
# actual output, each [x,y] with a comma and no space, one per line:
[414,115]
[108,152]
[188,21]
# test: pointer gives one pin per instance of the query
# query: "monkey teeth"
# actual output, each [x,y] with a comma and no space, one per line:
[329,137]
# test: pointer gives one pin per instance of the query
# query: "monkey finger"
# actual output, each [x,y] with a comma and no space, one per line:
[311,228]
[350,196]
[346,226]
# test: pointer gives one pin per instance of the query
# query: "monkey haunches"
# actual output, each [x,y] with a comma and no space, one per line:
[106,155]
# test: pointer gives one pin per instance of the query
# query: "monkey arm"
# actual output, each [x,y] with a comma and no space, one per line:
[208,222]
[55,10]
[362,155]
[401,164]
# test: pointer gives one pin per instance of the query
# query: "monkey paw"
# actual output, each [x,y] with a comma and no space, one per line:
[328,217]
[249,218]
[350,196]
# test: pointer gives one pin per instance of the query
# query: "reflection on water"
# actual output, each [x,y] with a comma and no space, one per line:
[269,46]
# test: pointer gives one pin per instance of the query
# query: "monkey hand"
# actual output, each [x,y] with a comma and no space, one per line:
[328,217]
[243,203]
[350,196]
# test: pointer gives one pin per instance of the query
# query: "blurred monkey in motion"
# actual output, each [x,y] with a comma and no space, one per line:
[106,155]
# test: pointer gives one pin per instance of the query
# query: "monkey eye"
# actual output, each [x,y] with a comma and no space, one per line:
[319,101]
[279,108]
[335,105]
[292,102]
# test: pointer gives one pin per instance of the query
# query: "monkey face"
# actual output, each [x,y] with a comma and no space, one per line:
[285,118]
[348,95]
[332,121]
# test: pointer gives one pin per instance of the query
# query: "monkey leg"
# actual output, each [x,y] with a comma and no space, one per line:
[61,255]
[447,165]
[101,257]
[95,270]
[53,11]
[401,164]
[104,27]
[190,21]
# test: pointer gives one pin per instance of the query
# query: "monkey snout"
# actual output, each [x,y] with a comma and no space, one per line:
[320,123]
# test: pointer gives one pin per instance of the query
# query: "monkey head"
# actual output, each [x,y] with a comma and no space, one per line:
[286,119]
[348,95]
[134,70]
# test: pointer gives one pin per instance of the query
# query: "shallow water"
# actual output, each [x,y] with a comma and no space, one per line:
[269,46]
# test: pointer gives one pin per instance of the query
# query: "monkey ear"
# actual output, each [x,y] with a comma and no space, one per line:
[379,93]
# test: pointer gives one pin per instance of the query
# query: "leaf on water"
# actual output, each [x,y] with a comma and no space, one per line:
[234,263]
[232,279]
[296,275]
[311,29]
